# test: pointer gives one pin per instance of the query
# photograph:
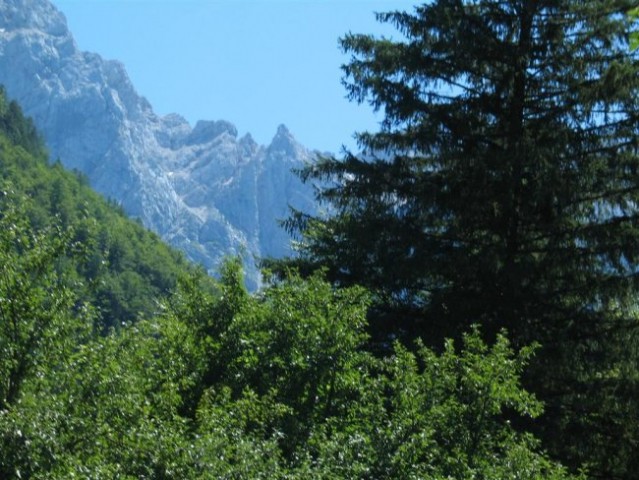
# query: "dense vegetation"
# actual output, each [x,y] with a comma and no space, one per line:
[502,189]
[202,381]
[124,267]
[468,304]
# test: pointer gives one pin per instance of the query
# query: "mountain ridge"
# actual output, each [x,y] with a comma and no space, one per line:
[203,189]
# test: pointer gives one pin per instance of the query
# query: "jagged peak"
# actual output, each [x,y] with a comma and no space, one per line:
[206,131]
[283,140]
[199,186]
[174,120]
[248,141]
[283,130]
[248,144]
[32,14]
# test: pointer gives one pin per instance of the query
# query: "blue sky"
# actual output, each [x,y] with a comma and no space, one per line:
[256,63]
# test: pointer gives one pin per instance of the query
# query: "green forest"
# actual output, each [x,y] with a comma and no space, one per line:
[467,308]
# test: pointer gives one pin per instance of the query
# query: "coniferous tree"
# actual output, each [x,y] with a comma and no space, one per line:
[502,188]
[213,382]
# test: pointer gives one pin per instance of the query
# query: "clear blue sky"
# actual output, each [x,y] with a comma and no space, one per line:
[256,63]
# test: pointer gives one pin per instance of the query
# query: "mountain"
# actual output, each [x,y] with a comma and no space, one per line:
[201,188]
[110,262]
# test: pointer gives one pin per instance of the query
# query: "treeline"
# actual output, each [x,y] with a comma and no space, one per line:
[124,267]
[117,360]
[502,189]
[466,309]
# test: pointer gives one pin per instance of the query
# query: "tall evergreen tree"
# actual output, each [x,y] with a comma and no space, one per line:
[502,188]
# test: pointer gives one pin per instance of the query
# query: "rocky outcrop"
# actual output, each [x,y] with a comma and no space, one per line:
[201,188]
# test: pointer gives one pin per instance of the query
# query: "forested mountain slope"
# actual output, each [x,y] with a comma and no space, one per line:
[124,268]
[202,188]
[211,382]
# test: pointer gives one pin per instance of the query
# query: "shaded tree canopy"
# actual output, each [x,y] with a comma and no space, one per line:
[502,188]
[204,381]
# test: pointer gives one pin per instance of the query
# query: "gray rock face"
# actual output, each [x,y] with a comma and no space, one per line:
[201,188]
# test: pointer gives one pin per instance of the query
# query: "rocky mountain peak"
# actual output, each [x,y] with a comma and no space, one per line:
[200,188]
[282,130]
[248,144]
[284,143]
[37,15]
[207,131]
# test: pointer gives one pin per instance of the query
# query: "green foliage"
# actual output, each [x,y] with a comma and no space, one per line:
[212,382]
[126,268]
[502,188]
[108,410]
[37,304]
[296,396]
[438,416]
[229,443]
[634,35]
[19,130]
[41,318]
[297,345]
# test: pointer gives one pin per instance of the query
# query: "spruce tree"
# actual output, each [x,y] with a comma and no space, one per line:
[502,188]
